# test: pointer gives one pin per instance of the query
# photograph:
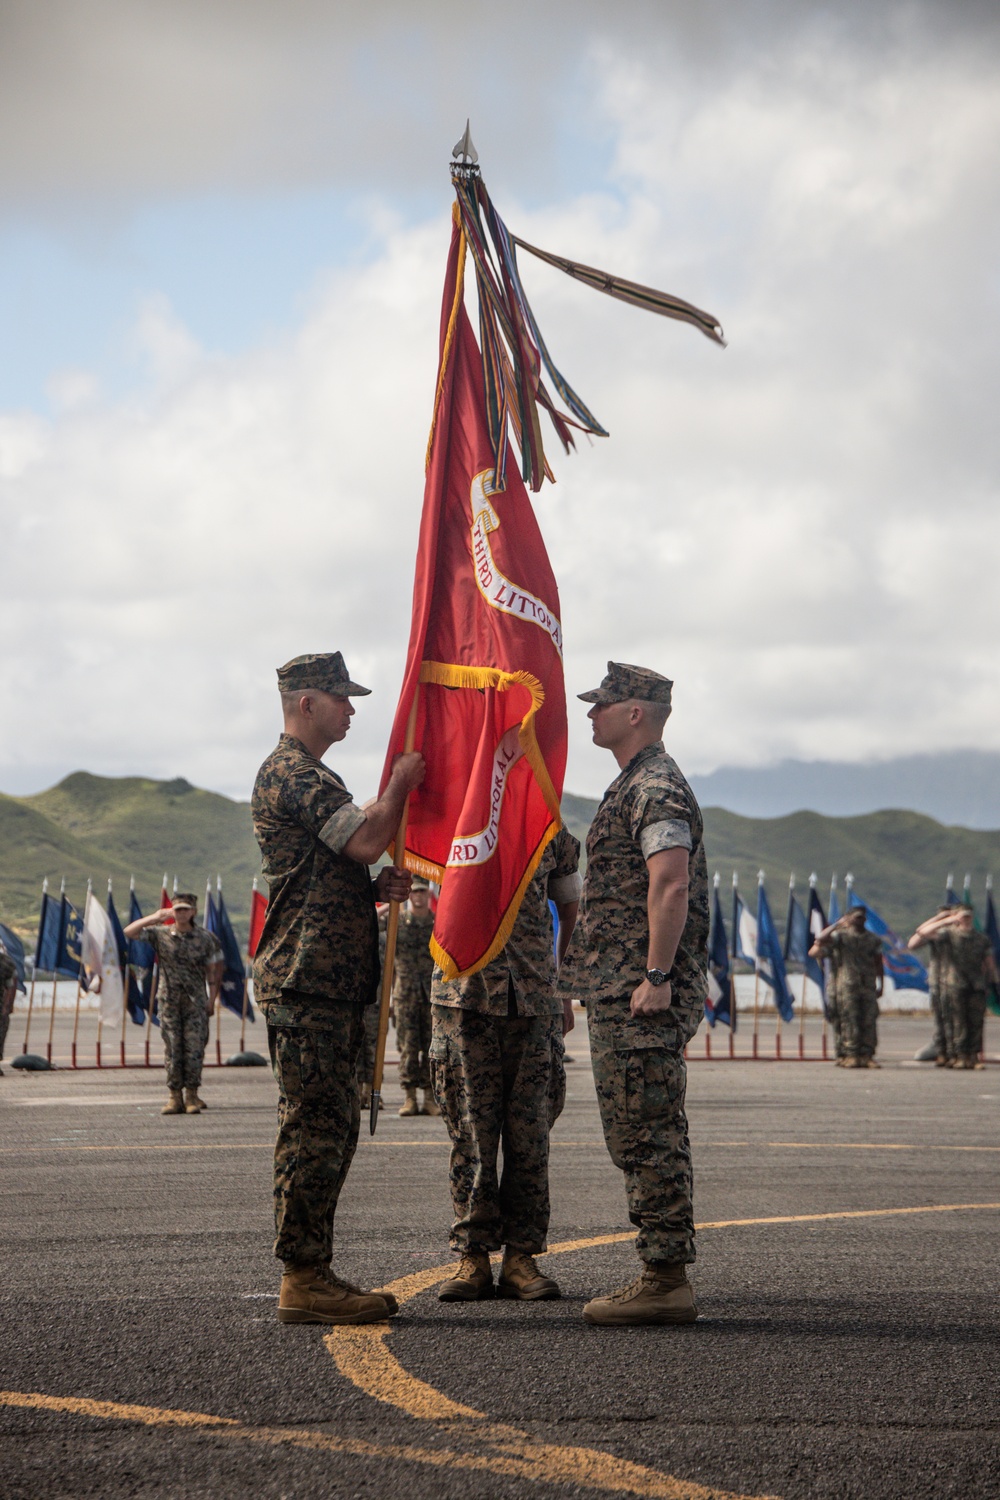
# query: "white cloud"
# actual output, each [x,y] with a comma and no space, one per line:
[801,529]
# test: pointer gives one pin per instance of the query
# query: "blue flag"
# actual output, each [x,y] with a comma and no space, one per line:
[903,968]
[992,929]
[47,943]
[59,933]
[797,940]
[141,957]
[950,899]
[14,948]
[234,970]
[133,1002]
[815,967]
[719,1004]
[770,964]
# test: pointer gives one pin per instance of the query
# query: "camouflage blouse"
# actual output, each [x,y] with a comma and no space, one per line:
[183,959]
[856,961]
[414,964]
[522,979]
[649,807]
[967,954]
[320,936]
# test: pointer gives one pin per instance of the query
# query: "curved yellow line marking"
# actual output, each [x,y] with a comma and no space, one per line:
[517,1456]
[361,1355]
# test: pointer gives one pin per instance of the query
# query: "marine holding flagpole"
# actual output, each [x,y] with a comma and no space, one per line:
[316,968]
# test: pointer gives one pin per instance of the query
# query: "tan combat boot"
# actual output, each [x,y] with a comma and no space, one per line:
[328,1274]
[521,1278]
[197,1098]
[430,1104]
[410,1105]
[175,1104]
[192,1104]
[662,1294]
[311,1294]
[472,1282]
[941,1061]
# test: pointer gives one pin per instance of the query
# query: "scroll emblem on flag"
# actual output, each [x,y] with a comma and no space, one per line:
[496,589]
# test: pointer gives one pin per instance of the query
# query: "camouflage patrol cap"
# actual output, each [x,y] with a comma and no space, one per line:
[418,883]
[323,670]
[184,898]
[624,682]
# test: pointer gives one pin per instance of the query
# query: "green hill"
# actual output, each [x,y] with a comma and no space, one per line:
[899,860]
[101,826]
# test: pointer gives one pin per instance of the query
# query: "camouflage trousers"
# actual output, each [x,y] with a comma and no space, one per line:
[641,1080]
[833,1016]
[413,1036]
[6,1011]
[493,1081]
[858,1011]
[184,1029]
[966,1009]
[366,1052]
[944,1028]
[319,1114]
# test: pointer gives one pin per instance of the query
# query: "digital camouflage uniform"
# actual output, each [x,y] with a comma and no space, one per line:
[182,999]
[855,962]
[8,977]
[497,1069]
[639,1068]
[317,966]
[411,997]
[937,974]
[964,989]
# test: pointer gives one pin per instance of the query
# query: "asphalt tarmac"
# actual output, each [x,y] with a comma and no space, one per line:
[848,1281]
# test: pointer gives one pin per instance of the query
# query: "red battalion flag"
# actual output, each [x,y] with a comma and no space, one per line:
[484,666]
[258,911]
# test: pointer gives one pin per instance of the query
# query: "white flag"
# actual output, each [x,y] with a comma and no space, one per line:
[100,958]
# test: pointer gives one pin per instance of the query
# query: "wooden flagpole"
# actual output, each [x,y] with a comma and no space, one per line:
[218,998]
[125,990]
[246,975]
[756,970]
[55,978]
[398,852]
[31,992]
[79,983]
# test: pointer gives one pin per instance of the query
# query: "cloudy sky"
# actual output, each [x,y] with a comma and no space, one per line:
[222,238]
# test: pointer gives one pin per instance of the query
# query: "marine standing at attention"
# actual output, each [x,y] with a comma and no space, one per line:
[411,999]
[189,958]
[497,1069]
[856,961]
[640,961]
[316,968]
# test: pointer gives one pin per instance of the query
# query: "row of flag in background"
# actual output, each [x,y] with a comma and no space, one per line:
[90,947]
[754,940]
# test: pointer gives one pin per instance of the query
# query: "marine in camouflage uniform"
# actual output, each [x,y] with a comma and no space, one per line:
[970,969]
[411,999]
[639,1070]
[186,958]
[316,968]
[8,990]
[938,962]
[856,963]
[496,1066]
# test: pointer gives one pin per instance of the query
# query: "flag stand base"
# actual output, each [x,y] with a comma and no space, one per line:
[246,1060]
[32,1063]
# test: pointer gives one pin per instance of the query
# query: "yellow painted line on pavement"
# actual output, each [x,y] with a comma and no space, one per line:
[362,1356]
[440,1144]
[516,1456]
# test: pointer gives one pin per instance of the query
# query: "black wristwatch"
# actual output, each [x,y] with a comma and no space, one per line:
[657,977]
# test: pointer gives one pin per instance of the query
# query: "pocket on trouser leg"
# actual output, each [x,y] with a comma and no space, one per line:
[653,1083]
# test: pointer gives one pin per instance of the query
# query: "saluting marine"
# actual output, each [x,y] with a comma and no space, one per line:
[189,959]
[966,968]
[316,968]
[497,1070]
[856,962]
[640,961]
